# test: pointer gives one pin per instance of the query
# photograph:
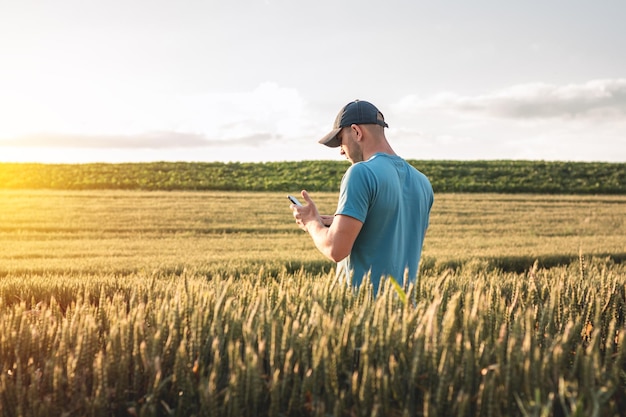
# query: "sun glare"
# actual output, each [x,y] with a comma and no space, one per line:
[13,154]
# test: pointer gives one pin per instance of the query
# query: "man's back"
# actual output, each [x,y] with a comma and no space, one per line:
[393,201]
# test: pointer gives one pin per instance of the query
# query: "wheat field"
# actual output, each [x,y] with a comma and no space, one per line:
[131,231]
[210,304]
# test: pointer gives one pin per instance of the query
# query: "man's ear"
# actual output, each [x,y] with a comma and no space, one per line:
[358,131]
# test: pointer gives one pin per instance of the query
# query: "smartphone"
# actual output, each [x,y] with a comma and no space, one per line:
[294,200]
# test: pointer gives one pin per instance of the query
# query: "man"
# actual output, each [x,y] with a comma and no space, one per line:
[384,204]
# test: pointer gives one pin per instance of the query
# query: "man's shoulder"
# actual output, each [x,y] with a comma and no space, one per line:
[359,169]
[376,162]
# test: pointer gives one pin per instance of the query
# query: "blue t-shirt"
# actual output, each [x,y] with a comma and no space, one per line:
[393,200]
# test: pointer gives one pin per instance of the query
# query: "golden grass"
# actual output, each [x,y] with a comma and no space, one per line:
[126,231]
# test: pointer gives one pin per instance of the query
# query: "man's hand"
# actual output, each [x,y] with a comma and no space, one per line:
[307,213]
[333,236]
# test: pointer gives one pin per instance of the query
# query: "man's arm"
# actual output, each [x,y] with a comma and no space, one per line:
[335,242]
[327,220]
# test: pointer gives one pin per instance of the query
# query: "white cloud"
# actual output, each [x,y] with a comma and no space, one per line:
[150,140]
[271,122]
[268,109]
[97,119]
[532,121]
[594,100]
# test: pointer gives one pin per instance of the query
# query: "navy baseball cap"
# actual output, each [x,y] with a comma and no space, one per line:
[358,112]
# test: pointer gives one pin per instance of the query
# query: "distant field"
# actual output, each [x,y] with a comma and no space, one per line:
[128,231]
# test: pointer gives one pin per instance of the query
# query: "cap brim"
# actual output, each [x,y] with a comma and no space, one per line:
[330,139]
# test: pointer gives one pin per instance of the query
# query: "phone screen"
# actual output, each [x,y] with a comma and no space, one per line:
[294,200]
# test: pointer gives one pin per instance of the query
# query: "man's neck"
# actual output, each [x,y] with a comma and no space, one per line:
[382,147]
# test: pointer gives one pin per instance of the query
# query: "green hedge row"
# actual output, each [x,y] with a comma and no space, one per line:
[446,176]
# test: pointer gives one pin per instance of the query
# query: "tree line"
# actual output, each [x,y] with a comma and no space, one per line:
[499,176]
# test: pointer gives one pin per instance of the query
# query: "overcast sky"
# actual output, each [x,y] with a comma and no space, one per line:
[262,80]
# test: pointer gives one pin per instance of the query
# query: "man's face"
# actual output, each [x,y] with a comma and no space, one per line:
[350,148]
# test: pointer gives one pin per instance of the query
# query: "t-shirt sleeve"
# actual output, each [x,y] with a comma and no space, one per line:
[355,193]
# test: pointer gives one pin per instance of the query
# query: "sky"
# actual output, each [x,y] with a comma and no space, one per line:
[263,80]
